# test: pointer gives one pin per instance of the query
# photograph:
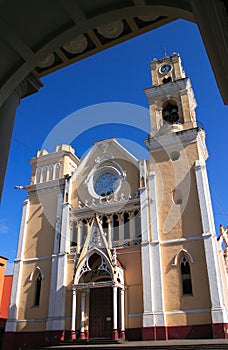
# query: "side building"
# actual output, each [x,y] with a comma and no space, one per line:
[5,290]
[116,247]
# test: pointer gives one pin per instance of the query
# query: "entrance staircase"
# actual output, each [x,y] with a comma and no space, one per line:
[104,344]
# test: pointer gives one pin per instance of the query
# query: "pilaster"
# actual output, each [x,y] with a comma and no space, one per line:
[156,277]
[218,308]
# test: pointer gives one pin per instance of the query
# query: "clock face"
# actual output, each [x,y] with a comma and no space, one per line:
[165,68]
[106,184]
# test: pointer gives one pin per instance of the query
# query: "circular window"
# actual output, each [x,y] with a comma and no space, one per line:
[105,184]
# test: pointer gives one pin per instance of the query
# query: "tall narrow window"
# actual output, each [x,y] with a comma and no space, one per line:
[44,174]
[115,228]
[38,175]
[126,226]
[57,171]
[38,289]
[186,276]
[51,172]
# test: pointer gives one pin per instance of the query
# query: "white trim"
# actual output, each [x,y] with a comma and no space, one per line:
[185,252]
[54,266]
[183,312]
[17,274]
[218,310]
[40,270]
[155,251]
[188,239]
[148,319]
[27,320]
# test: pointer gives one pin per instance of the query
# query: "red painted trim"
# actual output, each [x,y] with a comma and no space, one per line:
[190,332]
[82,335]
[28,340]
[115,335]
[73,335]
[86,334]
[122,335]
[220,330]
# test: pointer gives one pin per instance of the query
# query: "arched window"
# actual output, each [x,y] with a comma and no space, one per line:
[38,175]
[37,289]
[115,227]
[44,174]
[50,172]
[170,113]
[57,171]
[126,226]
[186,276]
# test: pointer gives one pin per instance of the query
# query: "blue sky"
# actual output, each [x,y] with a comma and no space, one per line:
[119,74]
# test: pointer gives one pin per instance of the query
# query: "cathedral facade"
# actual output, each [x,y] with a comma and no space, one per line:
[119,248]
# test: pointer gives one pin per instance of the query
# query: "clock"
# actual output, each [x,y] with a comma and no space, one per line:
[165,68]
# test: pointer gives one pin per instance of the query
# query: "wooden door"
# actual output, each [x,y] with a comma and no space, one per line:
[100,314]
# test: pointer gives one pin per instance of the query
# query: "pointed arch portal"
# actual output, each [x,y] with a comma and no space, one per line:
[99,285]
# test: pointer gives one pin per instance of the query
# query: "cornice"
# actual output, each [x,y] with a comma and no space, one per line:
[181,86]
[48,186]
[184,137]
[55,156]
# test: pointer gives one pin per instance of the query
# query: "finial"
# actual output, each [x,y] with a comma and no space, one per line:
[165,52]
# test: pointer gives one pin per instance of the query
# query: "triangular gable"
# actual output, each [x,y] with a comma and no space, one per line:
[101,152]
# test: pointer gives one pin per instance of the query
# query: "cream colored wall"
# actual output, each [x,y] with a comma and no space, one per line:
[130,259]
[176,221]
[41,225]
[174,298]
[27,310]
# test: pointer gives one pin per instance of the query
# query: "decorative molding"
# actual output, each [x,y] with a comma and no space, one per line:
[169,141]
[36,269]
[185,252]
[111,30]
[47,61]
[76,45]
[166,91]
[183,312]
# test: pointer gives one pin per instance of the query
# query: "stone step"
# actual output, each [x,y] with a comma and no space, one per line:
[96,345]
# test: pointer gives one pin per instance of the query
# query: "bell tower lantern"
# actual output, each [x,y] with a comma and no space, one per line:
[171,98]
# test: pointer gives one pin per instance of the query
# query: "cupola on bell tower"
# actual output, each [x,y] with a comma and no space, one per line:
[171,98]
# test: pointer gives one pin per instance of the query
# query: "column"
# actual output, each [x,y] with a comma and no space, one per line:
[60,286]
[17,275]
[73,320]
[148,315]
[115,324]
[121,228]
[8,112]
[54,263]
[82,331]
[156,268]
[122,323]
[109,221]
[218,310]
[79,234]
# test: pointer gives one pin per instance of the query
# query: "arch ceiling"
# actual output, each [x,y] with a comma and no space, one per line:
[44,36]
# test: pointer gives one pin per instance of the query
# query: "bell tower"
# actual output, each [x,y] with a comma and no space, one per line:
[183,234]
[171,98]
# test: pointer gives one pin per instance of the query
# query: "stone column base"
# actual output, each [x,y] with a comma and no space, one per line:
[115,335]
[73,335]
[122,335]
[82,335]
